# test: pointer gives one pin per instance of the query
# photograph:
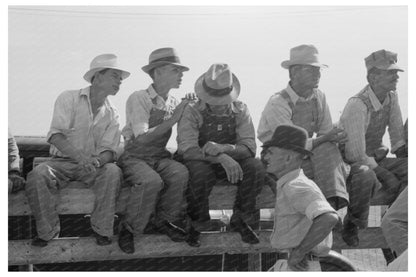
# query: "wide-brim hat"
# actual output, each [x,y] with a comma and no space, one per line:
[289,137]
[102,62]
[218,86]
[163,56]
[382,59]
[304,55]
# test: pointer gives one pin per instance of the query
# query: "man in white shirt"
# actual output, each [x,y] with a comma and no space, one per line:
[303,217]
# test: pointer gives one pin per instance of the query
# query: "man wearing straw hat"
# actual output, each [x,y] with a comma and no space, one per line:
[217,140]
[84,136]
[301,103]
[364,119]
[157,181]
[304,219]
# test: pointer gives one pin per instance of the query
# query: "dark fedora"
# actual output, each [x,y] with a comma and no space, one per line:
[289,137]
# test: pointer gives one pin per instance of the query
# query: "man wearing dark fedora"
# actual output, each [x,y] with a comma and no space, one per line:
[157,181]
[365,119]
[216,138]
[303,218]
[84,137]
[302,104]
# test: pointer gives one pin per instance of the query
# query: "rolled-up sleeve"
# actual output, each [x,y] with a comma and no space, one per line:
[245,130]
[353,120]
[138,113]
[62,115]
[14,157]
[188,129]
[277,112]
[395,127]
[111,137]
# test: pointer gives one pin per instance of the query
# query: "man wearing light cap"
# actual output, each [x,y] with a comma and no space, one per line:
[364,119]
[84,136]
[302,104]
[303,219]
[157,182]
[216,138]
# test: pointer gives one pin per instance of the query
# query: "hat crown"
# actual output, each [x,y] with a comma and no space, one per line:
[104,61]
[219,76]
[381,59]
[164,54]
[287,136]
[304,53]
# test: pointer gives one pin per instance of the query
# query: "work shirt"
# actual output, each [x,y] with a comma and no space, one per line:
[298,201]
[192,120]
[355,120]
[14,158]
[138,109]
[73,117]
[278,112]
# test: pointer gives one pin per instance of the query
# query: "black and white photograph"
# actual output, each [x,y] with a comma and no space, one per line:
[207,137]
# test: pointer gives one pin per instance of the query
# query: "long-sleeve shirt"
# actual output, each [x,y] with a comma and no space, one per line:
[14,157]
[298,201]
[355,120]
[138,108]
[191,121]
[278,112]
[73,117]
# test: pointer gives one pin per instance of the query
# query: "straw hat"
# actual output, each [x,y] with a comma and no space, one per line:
[303,54]
[102,62]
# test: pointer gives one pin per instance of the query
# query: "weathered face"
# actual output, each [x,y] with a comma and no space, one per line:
[169,75]
[275,159]
[385,80]
[306,76]
[109,80]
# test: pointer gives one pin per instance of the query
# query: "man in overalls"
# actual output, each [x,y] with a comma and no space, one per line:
[217,140]
[364,119]
[157,182]
[301,103]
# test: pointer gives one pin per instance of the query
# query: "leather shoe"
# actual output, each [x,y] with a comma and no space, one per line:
[39,242]
[175,233]
[126,241]
[350,234]
[193,237]
[101,240]
[247,234]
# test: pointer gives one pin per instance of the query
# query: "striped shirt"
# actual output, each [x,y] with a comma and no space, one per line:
[73,117]
[355,120]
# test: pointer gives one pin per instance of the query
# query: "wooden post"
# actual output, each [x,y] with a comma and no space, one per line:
[254,262]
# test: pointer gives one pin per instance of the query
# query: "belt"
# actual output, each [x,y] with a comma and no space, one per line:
[309,256]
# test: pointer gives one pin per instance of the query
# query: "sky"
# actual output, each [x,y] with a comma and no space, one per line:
[50,48]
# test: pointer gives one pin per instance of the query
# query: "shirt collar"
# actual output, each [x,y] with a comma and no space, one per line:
[86,91]
[294,97]
[152,92]
[374,100]
[289,177]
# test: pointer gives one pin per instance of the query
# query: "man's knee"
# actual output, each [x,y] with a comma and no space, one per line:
[363,178]
[112,174]
[179,172]
[38,173]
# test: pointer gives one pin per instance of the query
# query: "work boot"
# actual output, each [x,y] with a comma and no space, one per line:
[101,240]
[38,242]
[350,234]
[193,237]
[247,234]
[174,232]
[126,241]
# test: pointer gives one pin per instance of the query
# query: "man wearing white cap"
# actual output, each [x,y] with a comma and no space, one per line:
[84,136]
[216,138]
[157,181]
[301,103]
[364,119]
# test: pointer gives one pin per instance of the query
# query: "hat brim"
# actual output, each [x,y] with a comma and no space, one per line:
[91,72]
[288,63]
[394,67]
[288,147]
[149,67]
[216,101]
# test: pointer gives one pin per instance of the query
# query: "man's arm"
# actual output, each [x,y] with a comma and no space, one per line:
[396,128]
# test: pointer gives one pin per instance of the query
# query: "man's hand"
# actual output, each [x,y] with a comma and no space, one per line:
[336,135]
[214,149]
[232,168]
[18,183]
[297,261]
[380,153]
[190,96]
[88,164]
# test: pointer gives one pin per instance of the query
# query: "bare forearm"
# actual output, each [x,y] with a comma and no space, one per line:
[238,152]
[195,154]
[161,129]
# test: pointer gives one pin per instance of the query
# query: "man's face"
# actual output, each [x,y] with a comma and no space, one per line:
[109,81]
[169,75]
[307,76]
[275,159]
[386,80]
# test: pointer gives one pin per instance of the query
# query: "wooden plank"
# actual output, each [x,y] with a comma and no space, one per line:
[147,246]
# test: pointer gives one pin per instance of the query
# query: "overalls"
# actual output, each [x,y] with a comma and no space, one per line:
[203,175]
[325,166]
[157,182]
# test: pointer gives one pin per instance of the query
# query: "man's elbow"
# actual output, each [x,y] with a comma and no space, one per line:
[330,218]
